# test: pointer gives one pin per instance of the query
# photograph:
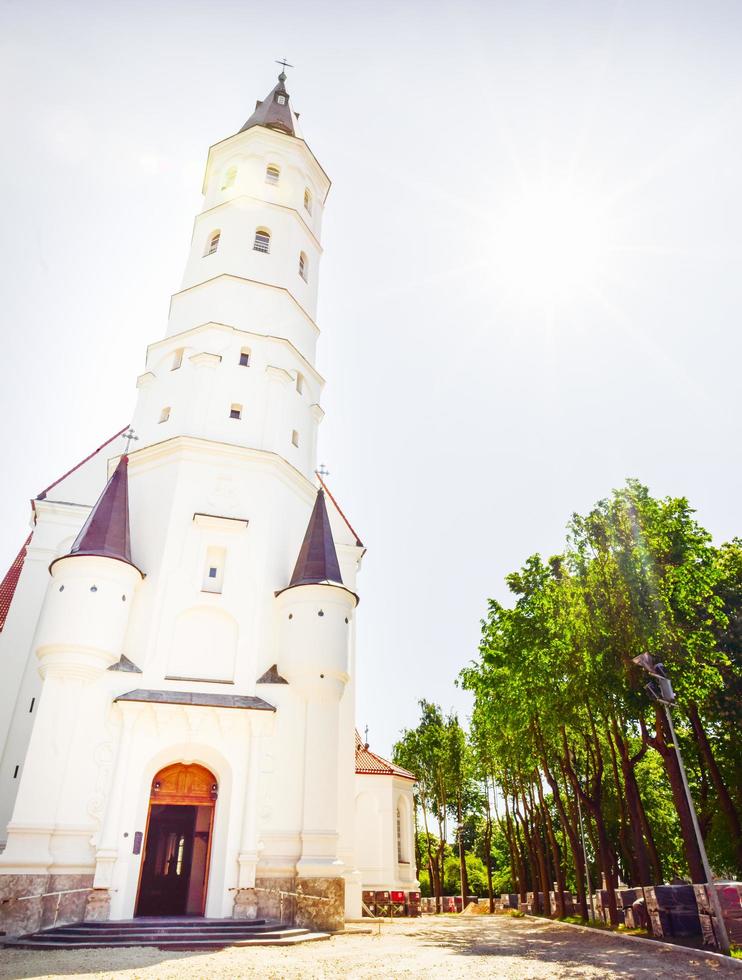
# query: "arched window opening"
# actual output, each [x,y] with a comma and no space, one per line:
[262,240]
[307,200]
[212,242]
[303,266]
[165,414]
[299,382]
[400,845]
[272,174]
[295,438]
[230,176]
[177,359]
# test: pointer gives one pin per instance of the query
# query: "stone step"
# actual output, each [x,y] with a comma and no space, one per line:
[167,933]
[154,937]
[284,938]
[180,930]
[180,922]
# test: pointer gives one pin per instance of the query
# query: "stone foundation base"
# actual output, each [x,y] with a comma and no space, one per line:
[276,899]
[245,904]
[320,904]
[32,902]
[98,905]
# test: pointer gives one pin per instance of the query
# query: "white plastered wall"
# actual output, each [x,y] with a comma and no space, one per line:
[56,520]
[377,855]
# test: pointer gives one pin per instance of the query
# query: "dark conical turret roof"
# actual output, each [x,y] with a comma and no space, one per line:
[318,561]
[274,111]
[105,533]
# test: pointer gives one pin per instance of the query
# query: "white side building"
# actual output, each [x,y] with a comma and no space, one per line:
[177,713]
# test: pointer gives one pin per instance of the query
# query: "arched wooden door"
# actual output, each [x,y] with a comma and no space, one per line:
[177,842]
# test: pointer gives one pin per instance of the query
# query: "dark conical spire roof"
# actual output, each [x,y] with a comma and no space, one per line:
[318,561]
[106,531]
[274,111]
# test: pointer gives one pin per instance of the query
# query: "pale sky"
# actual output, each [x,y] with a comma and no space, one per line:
[530,289]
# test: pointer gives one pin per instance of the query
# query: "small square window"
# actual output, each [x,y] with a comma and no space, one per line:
[235,412]
[295,438]
[213,579]
[165,414]
[244,358]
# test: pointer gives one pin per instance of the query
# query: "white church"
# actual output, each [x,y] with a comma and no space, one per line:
[177,707]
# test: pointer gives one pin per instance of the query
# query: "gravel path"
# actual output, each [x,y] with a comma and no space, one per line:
[501,947]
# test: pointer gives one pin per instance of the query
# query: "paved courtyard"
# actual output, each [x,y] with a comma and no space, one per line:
[424,948]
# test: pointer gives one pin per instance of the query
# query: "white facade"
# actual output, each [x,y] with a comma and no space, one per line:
[221,486]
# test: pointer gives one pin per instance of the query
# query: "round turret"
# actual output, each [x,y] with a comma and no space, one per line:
[314,638]
[86,610]
[314,612]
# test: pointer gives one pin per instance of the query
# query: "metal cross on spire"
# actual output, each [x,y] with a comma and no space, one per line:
[284,65]
[365,735]
[130,437]
[322,472]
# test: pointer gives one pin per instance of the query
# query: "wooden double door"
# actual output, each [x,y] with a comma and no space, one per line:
[177,843]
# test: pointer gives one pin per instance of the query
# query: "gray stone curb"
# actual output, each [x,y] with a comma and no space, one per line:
[674,947]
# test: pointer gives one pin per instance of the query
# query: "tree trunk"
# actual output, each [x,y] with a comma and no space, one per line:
[435,885]
[462,853]
[664,746]
[556,860]
[725,800]
[645,849]
[626,837]
[516,859]
[488,845]
[593,803]
[528,844]
[418,851]
[572,834]
[542,871]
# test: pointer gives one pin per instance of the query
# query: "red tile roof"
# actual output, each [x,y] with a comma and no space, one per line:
[8,584]
[368,763]
[337,508]
[42,495]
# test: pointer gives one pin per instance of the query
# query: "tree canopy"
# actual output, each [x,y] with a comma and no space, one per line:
[562,723]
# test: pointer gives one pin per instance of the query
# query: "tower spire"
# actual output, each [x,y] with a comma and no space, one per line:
[274,111]
[318,561]
[105,534]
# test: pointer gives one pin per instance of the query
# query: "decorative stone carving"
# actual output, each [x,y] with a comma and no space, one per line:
[103,756]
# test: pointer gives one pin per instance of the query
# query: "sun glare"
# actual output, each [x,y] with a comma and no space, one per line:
[552,244]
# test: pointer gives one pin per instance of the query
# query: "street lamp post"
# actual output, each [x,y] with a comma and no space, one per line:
[663,694]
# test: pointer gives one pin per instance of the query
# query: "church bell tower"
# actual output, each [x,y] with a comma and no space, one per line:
[174,637]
